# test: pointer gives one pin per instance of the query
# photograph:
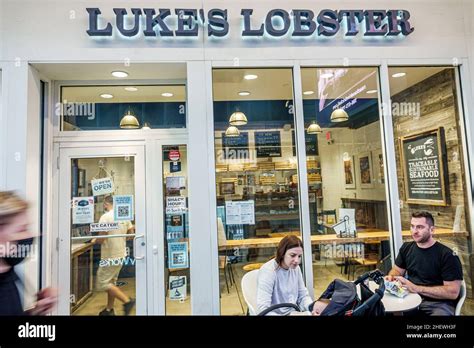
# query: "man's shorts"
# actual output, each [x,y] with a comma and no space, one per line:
[106,277]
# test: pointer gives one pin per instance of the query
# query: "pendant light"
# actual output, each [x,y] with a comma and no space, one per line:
[314,128]
[238,119]
[339,115]
[232,131]
[129,121]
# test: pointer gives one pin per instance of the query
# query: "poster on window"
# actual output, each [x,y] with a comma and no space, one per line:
[83,210]
[240,213]
[102,186]
[174,227]
[177,287]
[425,170]
[123,207]
[177,255]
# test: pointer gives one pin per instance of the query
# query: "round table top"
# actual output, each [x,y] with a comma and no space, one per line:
[393,303]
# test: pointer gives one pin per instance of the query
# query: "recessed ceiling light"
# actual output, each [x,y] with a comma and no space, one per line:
[372,91]
[131,89]
[167,94]
[250,77]
[308,92]
[400,74]
[244,93]
[106,95]
[119,74]
[327,75]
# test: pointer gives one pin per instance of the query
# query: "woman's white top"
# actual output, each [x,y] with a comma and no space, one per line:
[278,285]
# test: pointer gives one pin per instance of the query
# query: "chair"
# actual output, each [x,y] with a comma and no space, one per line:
[249,291]
[461,299]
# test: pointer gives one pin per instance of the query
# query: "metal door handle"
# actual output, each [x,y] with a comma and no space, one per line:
[135,246]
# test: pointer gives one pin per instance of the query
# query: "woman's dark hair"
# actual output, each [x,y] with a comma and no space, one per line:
[286,243]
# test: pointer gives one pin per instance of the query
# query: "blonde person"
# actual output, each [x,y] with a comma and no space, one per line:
[280,280]
[15,240]
[112,249]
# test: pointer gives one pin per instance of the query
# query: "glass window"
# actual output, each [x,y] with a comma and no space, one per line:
[345,165]
[256,172]
[122,107]
[176,226]
[102,236]
[429,154]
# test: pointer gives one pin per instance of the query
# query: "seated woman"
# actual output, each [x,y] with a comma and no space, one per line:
[280,280]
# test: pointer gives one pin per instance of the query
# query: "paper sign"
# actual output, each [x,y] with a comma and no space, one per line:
[178,255]
[176,210]
[177,287]
[174,155]
[104,227]
[174,227]
[175,182]
[83,210]
[240,213]
[102,186]
[175,167]
[123,208]
[176,202]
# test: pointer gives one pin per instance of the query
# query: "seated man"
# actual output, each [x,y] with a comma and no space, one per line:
[434,271]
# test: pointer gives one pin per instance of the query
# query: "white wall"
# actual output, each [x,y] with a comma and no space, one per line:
[355,142]
[58,33]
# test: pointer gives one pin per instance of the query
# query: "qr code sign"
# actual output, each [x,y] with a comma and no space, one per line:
[123,211]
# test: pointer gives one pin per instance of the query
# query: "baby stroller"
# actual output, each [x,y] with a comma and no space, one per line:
[344,300]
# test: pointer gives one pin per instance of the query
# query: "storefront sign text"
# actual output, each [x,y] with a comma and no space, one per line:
[277,22]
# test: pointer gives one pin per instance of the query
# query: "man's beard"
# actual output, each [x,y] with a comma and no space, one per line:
[424,239]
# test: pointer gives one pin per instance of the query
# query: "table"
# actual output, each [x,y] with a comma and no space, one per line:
[372,237]
[394,304]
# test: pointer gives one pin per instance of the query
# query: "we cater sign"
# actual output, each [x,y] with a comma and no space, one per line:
[185,22]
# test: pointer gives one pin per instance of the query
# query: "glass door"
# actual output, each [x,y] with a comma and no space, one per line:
[102,231]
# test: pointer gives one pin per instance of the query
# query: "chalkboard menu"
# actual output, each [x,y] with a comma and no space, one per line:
[311,141]
[236,147]
[424,161]
[268,144]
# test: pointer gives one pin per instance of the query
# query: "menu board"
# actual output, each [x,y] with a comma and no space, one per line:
[268,144]
[425,167]
[236,147]
[311,142]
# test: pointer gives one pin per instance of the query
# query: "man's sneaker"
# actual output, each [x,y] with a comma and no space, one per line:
[106,312]
[127,307]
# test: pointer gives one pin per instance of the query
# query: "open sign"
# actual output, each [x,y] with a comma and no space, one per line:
[102,186]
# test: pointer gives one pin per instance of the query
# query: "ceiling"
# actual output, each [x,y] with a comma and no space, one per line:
[91,94]
[102,71]
[271,84]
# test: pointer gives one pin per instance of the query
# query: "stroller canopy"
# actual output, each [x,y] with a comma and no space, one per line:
[343,296]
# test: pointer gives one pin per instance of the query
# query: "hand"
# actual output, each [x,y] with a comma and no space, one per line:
[408,284]
[47,299]
[389,278]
